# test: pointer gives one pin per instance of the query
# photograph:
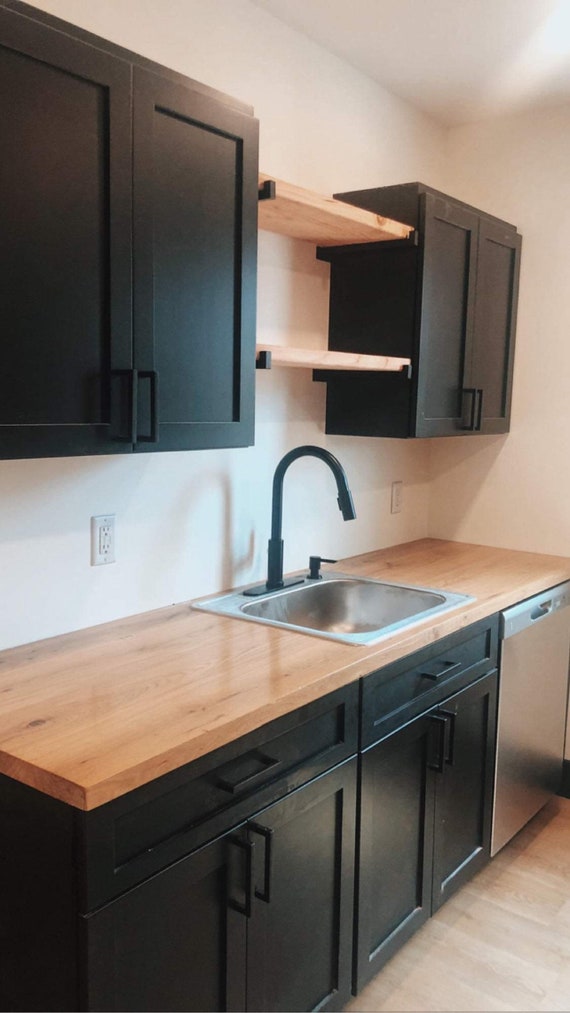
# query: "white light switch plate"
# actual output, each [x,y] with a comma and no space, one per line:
[397,497]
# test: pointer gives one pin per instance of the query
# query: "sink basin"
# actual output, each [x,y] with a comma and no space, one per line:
[354,610]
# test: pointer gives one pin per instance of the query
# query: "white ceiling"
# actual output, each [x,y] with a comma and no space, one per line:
[458,60]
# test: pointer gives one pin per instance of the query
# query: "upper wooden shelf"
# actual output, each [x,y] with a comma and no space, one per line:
[324,221]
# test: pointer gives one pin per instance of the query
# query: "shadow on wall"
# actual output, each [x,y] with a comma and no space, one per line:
[232,567]
[460,468]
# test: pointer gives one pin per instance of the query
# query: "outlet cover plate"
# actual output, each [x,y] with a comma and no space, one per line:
[102,539]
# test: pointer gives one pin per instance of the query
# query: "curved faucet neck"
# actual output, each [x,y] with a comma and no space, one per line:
[275,551]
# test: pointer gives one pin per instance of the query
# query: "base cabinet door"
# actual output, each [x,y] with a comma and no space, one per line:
[396,838]
[425,819]
[177,941]
[464,788]
[300,931]
[260,919]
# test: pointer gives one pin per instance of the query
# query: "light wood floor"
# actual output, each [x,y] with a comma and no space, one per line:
[502,943]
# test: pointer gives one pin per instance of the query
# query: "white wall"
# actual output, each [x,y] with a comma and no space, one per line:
[514,490]
[192,523]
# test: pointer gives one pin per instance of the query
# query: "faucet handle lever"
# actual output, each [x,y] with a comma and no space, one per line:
[315,566]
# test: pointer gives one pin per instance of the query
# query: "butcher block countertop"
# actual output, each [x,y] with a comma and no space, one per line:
[88,716]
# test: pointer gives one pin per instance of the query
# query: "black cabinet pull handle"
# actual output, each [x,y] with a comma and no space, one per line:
[131,376]
[133,393]
[268,765]
[267,835]
[445,721]
[438,669]
[247,849]
[152,375]
[449,737]
[479,408]
[472,391]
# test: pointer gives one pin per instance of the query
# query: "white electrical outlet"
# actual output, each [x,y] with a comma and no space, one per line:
[102,539]
[397,497]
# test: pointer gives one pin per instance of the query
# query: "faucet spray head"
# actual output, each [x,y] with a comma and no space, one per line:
[345,504]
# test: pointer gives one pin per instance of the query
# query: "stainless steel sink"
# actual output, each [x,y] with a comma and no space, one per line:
[353,610]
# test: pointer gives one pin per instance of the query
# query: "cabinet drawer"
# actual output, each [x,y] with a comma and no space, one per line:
[399,692]
[136,835]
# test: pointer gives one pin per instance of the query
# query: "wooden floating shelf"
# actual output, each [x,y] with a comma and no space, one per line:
[306,358]
[325,221]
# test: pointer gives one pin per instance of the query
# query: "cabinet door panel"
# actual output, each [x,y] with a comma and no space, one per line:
[65,256]
[397,798]
[172,943]
[464,788]
[446,325]
[195,200]
[300,942]
[495,319]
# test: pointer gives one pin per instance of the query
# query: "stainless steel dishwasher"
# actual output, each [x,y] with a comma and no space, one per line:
[533,692]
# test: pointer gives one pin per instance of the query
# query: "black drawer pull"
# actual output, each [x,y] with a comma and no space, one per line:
[437,669]
[268,763]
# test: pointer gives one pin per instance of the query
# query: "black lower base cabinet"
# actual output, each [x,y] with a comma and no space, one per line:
[205,934]
[279,872]
[425,819]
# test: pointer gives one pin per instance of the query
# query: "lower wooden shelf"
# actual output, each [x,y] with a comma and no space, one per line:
[308,358]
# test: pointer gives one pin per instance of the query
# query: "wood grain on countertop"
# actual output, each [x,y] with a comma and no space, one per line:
[88,716]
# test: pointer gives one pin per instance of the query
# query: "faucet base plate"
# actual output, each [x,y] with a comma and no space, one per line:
[253,592]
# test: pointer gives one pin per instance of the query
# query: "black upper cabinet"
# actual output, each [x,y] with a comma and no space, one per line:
[195,225]
[128,254]
[65,192]
[446,298]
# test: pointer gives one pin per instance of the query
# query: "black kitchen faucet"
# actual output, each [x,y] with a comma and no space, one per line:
[275,545]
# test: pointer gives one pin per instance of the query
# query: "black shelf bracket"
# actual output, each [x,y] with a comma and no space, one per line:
[263,360]
[266,190]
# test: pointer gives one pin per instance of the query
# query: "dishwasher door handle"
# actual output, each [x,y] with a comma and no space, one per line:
[541,606]
[542,610]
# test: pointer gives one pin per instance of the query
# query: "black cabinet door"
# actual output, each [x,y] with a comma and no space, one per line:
[491,367]
[447,299]
[65,247]
[299,939]
[464,787]
[177,941]
[425,808]
[396,839]
[446,315]
[195,235]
